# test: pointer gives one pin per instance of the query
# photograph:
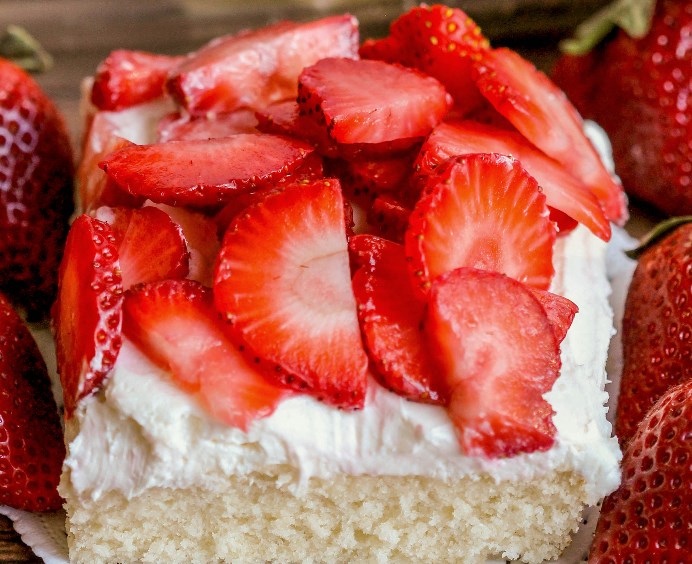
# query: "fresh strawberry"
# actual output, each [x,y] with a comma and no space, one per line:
[31,442]
[127,78]
[640,93]
[255,68]
[498,357]
[35,191]
[498,218]
[563,191]
[205,174]
[542,113]
[201,234]
[364,178]
[647,519]
[174,322]
[176,127]
[391,321]
[292,300]
[94,187]
[441,42]
[359,101]
[389,217]
[151,246]
[88,311]
[366,249]
[560,311]
[656,328]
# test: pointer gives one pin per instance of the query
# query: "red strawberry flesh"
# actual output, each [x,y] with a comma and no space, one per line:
[498,357]
[291,300]
[175,323]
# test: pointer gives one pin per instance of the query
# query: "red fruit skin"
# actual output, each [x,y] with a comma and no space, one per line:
[647,519]
[88,312]
[389,218]
[36,173]
[642,98]
[31,441]
[656,329]
[126,78]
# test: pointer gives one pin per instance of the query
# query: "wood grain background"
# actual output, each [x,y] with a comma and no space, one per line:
[80,33]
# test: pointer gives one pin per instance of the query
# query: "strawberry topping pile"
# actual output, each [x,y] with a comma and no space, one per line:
[303,216]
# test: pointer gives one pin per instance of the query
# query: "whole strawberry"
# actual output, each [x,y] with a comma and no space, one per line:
[656,328]
[31,443]
[35,191]
[639,91]
[648,518]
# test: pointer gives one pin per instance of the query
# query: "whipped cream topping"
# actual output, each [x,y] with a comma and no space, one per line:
[141,431]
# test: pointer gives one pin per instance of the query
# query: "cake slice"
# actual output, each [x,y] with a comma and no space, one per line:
[288,384]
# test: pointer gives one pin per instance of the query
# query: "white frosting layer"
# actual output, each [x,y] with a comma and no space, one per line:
[141,431]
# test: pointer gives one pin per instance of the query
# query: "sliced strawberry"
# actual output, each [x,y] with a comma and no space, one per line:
[482,211]
[442,42]
[560,311]
[542,113]
[366,249]
[291,300]
[174,322]
[126,78]
[31,439]
[176,127]
[562,190]
[391,321]
[564,223]
[202,238]
[386,49]
[389,218]
[359,101]
[205,173]
[88,311]
[498,356]
[255,68]
[151,246]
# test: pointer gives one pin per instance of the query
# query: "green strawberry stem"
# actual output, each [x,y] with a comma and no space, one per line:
[657,233]
[634,16]
[18,46]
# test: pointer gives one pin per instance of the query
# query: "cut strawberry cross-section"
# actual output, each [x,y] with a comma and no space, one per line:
[439,41]
[177,127]
[391,320]
[544,115]
[205,174]
[498,357]
[174,322]
[562,190]
[126,78]
[283,281]
[560,311]
[151,245]
[359,101]
[88,311]
[482,211]
[255,68]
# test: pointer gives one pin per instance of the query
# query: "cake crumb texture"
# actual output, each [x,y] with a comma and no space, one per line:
[347,518]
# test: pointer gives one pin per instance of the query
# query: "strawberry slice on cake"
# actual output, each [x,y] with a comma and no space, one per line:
[283,283]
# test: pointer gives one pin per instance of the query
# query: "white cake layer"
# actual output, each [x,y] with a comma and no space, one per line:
[142,432]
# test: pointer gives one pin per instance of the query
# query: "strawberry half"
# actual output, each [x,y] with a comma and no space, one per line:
[439,41]
[151,246]
[391,320]
[174,322]
[647,519]
[498,356]
[292,300]
[205,174]
[542,113]
[359,101]
[562,191]
[126,78]
[482,211]
[88,311]
[255,68]
[31,441]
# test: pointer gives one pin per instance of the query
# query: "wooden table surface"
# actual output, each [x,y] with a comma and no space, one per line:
[80,33]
